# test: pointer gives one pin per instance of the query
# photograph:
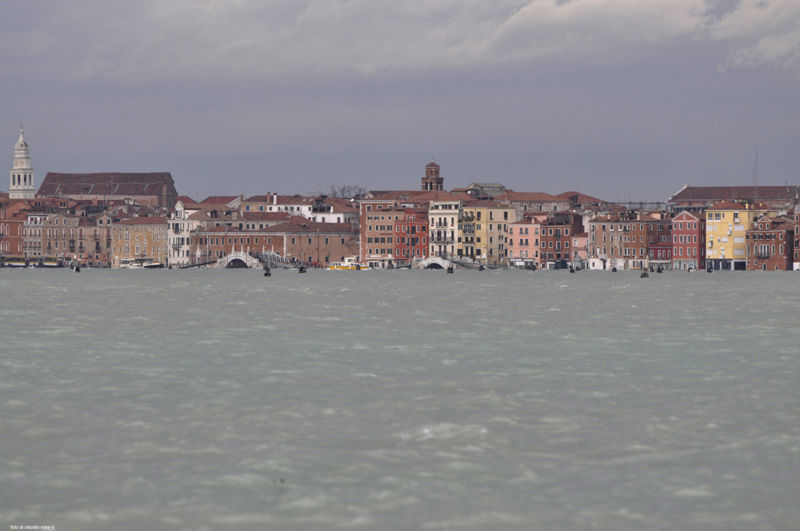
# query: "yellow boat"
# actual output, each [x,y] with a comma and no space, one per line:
[350,263]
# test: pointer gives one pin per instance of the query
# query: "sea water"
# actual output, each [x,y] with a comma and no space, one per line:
[222,399]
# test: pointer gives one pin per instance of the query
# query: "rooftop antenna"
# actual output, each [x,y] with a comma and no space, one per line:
[755,179]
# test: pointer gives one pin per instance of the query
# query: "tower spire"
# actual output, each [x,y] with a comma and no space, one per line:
[21,175]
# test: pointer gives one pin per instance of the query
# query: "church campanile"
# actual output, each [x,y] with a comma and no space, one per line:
[21,185]
[432,182]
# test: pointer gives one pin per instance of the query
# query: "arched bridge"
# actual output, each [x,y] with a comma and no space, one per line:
[433,262]
[237,259]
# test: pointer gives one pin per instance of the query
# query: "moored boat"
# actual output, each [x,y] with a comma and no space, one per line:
[350,263]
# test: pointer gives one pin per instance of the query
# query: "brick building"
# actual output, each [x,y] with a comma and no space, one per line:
[411,236]
[298,239]
[556,232]
[689,240]
[12,227]
[153,190]
[770,244]
[377,222]
[630,241]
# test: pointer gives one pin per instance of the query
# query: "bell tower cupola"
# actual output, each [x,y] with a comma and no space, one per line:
[21,185]
[432,182]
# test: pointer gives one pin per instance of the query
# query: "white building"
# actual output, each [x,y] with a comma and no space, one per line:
[21,176]
[179,228]
[443,228]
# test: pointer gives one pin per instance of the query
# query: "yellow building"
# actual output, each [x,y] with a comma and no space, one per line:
[726,225]
[483,229]
[139,242]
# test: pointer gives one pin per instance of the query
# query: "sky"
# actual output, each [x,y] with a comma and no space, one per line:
[627,100]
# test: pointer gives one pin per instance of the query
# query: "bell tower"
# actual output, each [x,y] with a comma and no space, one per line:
[21,185]
[432,182]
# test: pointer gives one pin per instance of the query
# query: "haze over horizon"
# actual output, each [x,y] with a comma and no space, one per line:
[620,99]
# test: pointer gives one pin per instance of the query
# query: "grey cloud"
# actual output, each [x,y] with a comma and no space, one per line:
[250,39]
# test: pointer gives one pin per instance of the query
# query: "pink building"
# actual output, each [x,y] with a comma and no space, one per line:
[523,243]
[580,252]
[688,241]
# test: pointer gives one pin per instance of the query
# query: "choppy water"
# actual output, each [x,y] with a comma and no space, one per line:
[399,400]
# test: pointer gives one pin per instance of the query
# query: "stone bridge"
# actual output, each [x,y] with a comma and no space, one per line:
[236,260]
[434,262]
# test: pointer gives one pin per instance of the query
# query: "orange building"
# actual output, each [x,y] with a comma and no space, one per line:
[139,242]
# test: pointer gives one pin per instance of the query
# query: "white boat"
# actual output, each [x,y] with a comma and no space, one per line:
[139,263]
[350,263]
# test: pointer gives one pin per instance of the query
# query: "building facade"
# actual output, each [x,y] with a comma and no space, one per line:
[523,243]
[377,235]
[411,237]
[727,224]
[139,241]
[443,225]
[689,241]
[770,244]
[484,231]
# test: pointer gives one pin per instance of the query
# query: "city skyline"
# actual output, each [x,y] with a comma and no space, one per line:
[622,100]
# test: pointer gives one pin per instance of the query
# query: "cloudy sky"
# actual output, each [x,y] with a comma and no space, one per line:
[622,99]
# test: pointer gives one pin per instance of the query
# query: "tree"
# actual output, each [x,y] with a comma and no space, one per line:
[347,191]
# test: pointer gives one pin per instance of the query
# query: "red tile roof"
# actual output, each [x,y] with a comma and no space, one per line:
[111,184]
[266,216]
[582,199]
[143,221]
[303,225]
[528,196]
[219,199]
[735,193]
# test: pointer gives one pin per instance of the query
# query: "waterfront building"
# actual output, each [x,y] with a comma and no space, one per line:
[443,217]
[214,242]
[484,231]
[770,244]
[579,250]
[523,243]
[411,236]
[21,185]
[689,240]
[72,238]
[556,232]
[152,190]
[316,244]
[377,222]
[795,216]
[12,227]
[139,241]
[298,239]
[726,227]
[179,228]
[630,241]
